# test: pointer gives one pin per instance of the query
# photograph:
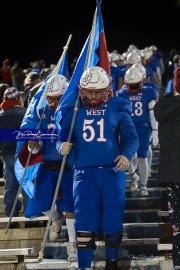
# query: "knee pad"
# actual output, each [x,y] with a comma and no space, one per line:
[85,240]
[113,240]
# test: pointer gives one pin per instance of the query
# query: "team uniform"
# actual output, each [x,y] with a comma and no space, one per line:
[152,84]
[140,115]
[115,74]
[48,173]
[140,97]
[47,176]
[99,136]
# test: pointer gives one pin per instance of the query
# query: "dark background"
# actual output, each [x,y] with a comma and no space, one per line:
[35,30]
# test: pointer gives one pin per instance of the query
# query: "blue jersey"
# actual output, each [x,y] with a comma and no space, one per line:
[149,72]
[153,66]
[152,84]
[140,103]
[101,135]
[123,70]
[115,75]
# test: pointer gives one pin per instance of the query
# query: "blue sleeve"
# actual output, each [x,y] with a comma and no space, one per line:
[124,105]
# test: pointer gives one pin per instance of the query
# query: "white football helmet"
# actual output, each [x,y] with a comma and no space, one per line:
[124,55]
[132,47]
[95,78]
[56,85]
[141,69]
[114,57]
[139,52]
[120,57]
[133,58]
[133,80]
[153,48]
[95,87]
[146,54]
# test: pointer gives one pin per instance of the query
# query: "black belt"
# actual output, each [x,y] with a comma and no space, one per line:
[55,165]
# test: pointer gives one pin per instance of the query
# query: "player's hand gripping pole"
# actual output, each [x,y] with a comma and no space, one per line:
[58,182]
[86,64]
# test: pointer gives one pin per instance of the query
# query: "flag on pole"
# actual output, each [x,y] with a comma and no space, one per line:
[30,121]
[94,53]
[99,54]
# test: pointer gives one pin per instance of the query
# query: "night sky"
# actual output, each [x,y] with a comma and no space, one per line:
[34,30]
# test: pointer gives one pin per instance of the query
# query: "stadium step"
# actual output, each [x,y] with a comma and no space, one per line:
[17,252]
[134,263]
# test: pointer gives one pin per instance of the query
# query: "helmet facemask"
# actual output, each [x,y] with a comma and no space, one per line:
[94,87]
[134,88]
[133,80]
[53,101]
[94,98]
[55,88]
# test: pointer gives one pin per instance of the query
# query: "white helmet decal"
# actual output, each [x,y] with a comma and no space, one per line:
[94,78]
[94,87]
[141,68]
[133,75]
[56,85]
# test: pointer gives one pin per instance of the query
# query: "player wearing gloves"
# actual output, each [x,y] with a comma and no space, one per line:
[142,99]
[148,83]
[48,172]
[100,163]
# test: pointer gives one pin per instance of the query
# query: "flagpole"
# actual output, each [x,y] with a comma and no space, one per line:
[91,40]
[65,48]
[55,71]
[92,37]
[85,67]
[40,258]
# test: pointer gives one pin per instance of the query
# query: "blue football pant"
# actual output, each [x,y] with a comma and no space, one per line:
[99,199]
[45,188]
[99,192]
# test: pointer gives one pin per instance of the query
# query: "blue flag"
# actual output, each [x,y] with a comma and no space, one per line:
[94,53]
[31,121]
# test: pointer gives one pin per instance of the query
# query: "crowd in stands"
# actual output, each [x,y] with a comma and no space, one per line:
[160,70]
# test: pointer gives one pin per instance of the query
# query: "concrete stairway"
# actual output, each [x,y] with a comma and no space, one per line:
[146,230]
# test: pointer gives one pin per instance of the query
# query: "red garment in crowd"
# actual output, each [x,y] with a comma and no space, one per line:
[6,76]
[176,83]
